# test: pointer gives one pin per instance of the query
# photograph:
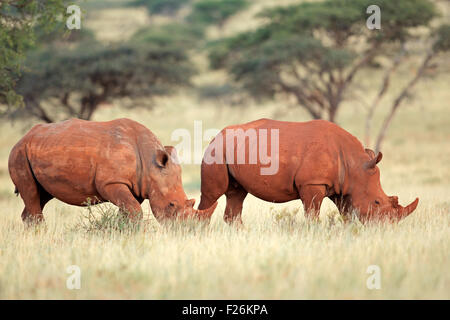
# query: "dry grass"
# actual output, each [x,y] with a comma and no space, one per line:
[277,255]
[270,258]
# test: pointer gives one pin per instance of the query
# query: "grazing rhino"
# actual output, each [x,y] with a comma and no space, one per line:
[120,161]
[316,159]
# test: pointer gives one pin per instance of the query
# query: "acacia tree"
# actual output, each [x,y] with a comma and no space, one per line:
[163,7]
[190,32]
[215,12]
[60,84]
[440,45]
[313,51]
[18,21]
[179,34]
[71,74]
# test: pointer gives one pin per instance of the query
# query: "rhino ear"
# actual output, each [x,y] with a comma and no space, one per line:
[370,152]
[374,160]
[172,151]
[161,158]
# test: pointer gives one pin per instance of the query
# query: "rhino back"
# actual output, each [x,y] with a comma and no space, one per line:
[71,158]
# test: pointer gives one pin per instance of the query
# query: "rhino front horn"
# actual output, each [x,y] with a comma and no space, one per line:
[403,212]
[206,213]
[190,212]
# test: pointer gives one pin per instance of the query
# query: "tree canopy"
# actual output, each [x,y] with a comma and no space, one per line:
[64,83]
[70,74]
[178,34]
[164,7]
[313,50]
[215,12]
[18,22]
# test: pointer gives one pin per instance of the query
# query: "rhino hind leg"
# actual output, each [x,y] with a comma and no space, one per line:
[31,214]
[235,198]
[34,204]
[312,197]
[342,203]
[32,193]
[121,196]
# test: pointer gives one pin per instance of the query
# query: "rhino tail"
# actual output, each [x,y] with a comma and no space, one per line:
[16,191]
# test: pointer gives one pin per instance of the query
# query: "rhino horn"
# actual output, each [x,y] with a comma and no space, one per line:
[190,203]
[403,212]
[205,214]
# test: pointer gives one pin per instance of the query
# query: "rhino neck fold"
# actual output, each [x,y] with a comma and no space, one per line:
[341,186]
[145,153]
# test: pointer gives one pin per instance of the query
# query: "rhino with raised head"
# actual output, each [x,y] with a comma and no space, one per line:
[316,159]
[120,161]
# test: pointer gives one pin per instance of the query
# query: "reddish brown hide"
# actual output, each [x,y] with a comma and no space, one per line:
[120,161]
[317,159]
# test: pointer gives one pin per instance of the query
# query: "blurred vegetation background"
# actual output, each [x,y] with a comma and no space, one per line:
[303,53]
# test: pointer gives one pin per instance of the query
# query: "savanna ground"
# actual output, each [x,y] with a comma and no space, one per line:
[277,254]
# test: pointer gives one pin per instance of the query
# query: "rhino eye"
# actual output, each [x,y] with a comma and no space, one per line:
[377,202]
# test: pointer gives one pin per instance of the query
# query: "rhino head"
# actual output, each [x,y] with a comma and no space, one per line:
[367,196]
[167,197]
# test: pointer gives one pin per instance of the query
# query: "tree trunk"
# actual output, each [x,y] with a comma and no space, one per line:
[387,121]
[332,113]
[384,88]
[36,109]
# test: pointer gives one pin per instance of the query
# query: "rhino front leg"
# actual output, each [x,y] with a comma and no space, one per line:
[312,197]
[215,181]
[124,213]
[342,203]
[235,199]
[121,196]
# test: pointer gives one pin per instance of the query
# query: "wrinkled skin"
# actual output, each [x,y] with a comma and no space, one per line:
[79,161]
[317,159]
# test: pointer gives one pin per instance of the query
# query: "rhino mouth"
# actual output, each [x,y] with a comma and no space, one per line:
[395,214]
[185,212]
